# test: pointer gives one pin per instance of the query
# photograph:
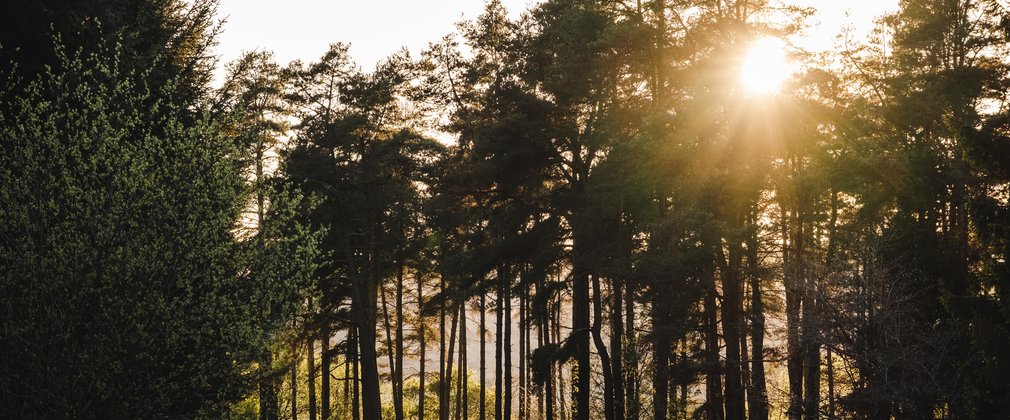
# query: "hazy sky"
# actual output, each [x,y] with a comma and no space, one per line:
[303,29]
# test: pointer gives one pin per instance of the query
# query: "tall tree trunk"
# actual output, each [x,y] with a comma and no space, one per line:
[325,369]
[507,349]
[831,386]
[365,306]
[441,347]
[267,387]
[616,338]
[460,367]
[483,357]
[811,353]
[310,353]
[422,347]
[527,327]
[540,390]
[830,263]
[631,351]
[398,367]
[545,339]
[562,405]
[356,376]
[660,358]
[731,322]
[348,349]
[522,350]
[758,396]
[683,384]
[601,350]
[713,380]
[794,357]
[499,333]
[370,402]
[390,344]
[744,363]
[464,372]
[580,336]
[294,376]
[445,388]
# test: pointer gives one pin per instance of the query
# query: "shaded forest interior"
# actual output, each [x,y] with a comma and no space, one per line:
[576,213]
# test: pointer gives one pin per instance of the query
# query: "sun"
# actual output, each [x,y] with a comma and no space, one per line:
[765,66]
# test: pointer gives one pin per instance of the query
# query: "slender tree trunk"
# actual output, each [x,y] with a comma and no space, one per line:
[794,357]
[483,357]
[348,346]
[601,350]
[310,352]
[616,338]
[464,372]
[830,263]
[294,377]
[731,322]
[541,390]
[499,333]
[522,350]
[713,380]
[355,374]
[441,348]
[580,338]
[562,405]
[421,388]
[660,358]
[325,371]
[683,384]
[758,396]
[507,349]
[810,320]
[390,344]
[744,363]
[527,325]
[460,367]
[445,388]
[631,351]
[398,366]
[545,334]
[811,352]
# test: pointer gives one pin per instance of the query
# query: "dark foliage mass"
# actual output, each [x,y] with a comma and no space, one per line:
[617,228]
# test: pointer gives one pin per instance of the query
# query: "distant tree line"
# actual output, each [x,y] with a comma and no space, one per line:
[632,233]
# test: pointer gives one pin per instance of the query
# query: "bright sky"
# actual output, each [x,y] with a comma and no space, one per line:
[303,29]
